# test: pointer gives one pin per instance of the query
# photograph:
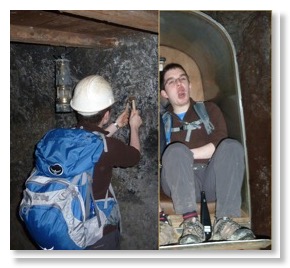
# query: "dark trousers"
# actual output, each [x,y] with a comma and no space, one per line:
[221,179]
[110,241]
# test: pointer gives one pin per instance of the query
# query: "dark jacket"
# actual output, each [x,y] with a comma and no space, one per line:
[119,155]
[199,137]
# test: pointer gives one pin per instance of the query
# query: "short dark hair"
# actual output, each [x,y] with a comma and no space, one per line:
[167,68]
[95,118]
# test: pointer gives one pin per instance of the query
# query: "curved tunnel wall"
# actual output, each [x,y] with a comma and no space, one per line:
[209,45]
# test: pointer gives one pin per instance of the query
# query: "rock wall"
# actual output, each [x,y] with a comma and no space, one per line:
[251,34]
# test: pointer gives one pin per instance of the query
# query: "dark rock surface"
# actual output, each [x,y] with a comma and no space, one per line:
[251,34]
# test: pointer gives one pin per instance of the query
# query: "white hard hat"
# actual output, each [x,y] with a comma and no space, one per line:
[91,95]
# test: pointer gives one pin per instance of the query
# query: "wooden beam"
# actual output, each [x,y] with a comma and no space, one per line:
[146,20]
[58,38]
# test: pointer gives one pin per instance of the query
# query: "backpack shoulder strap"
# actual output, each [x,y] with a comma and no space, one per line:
[200,109]
[167,122]
[103,138]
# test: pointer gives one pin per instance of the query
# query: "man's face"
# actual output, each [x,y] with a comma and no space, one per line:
[177,87]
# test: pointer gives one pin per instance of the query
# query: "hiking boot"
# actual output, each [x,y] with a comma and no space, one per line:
[227,229]
[192,232]
[167,233]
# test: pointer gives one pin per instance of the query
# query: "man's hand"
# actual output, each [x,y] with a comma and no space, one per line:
[135,122]
[123,118]
[135,119]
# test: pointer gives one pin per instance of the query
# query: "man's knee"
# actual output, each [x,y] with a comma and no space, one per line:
[176,150]
[232,146]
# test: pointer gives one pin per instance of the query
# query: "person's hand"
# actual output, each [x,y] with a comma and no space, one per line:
[123,118]
[135,119]
[135,122]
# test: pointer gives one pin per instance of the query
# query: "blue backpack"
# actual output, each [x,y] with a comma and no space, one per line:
[58,206]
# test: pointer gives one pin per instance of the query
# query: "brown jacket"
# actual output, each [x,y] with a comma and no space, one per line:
[199,137]
[119,155]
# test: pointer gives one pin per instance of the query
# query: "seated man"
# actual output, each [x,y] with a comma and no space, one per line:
[200,157]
